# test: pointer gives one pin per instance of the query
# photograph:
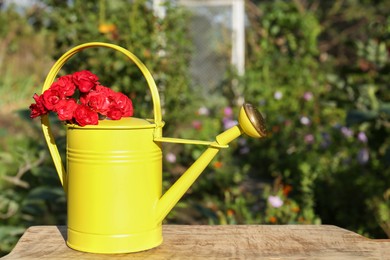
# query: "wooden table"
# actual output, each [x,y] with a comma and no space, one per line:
[219,242]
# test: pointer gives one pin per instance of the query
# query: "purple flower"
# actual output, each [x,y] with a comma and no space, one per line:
[244,147]
[170,157]
[305,120]
[242,141]
[309,139]
[203,111]
[363,156]
[326,141]
[346,131]
[362,137]
[307,96]
[228,111]
[244,150]
[229,123]
[275,201]
[278,95]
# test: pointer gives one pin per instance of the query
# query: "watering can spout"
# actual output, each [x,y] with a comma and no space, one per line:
[250,122]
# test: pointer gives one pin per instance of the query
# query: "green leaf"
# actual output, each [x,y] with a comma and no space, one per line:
[358,116]
[45,193]
[385,108]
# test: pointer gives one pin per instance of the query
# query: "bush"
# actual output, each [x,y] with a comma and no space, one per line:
[327,111]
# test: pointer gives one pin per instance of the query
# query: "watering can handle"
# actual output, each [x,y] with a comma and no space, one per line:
[52,75]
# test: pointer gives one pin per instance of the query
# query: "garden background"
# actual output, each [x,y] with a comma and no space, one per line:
[317,70]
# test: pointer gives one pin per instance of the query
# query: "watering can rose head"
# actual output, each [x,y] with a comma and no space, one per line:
[80,99]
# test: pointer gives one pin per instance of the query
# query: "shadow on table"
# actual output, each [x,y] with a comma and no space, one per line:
[63,232]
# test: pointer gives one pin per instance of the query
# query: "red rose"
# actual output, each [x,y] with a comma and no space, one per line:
[65,85]
[98,100]
[38,108]
[82,107]
[123,103]
[51,97]
[107,91]
[85,116]
[65,109]
[115,114]
[85,80]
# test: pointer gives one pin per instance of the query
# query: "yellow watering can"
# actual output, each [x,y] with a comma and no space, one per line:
[113,177]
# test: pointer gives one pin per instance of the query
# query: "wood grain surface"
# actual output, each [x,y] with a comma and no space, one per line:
[219,242]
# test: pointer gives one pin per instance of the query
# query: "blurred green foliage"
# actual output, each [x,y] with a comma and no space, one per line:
[320,74]
[317,70]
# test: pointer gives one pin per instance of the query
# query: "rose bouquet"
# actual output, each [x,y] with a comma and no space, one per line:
[80,99]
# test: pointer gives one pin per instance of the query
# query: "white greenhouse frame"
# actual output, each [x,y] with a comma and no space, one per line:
[238,25]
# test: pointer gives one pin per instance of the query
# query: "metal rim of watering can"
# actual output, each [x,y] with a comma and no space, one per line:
[255,118]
